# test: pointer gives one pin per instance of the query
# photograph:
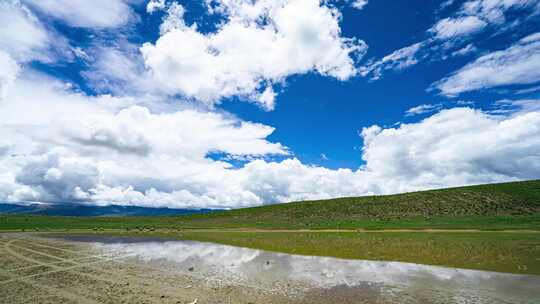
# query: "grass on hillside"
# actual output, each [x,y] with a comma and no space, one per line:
[494,206]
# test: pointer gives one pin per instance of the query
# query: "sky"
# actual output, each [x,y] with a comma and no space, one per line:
[237,103]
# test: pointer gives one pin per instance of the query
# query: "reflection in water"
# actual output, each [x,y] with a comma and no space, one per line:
[268,270]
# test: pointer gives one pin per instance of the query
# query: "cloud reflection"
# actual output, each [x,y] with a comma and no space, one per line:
[235,265]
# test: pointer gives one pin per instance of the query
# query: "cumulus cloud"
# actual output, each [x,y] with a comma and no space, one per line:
[90,14]
[459,145]
[56,178]
[133,154]
[76,148]
[518,64]
[62,145]
[258,46]
[174,18]
[126,124]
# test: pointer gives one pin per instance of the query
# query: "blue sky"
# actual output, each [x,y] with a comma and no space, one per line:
[224,103]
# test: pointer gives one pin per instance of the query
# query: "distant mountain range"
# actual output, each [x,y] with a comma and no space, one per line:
[86,210]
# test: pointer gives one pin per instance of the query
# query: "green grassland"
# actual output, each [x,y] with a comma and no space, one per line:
[508,206]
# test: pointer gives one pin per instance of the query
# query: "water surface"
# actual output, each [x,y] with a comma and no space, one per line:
[387,282]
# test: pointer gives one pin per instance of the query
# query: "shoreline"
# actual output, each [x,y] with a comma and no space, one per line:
[257,230]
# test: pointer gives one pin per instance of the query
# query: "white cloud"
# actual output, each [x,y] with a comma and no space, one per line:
[422,109]
[117,69]
[445,5]
[518,64]
[397,60]
[21,33]
[359,4]
[81,54]
[82,13]
[155,5]
[116,150]
[456,27]
[258,46]
[464,102]
[528,90]
[126,125]
[466,50]
[243,9]
[494,10]
[267,98]
[174,18]
[59,145]
[120,148]
[517,107]
[456,146]
[451,36]
[8,72]
[531,38]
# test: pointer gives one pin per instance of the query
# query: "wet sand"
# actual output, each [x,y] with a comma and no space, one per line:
[101,269]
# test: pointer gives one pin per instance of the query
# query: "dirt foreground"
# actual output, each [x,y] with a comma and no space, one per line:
[40,270]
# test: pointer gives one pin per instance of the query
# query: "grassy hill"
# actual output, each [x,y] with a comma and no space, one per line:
[494,206]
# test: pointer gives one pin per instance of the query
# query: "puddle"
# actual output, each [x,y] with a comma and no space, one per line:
[389,282]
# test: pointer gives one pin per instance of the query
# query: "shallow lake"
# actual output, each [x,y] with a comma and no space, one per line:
[346,279]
